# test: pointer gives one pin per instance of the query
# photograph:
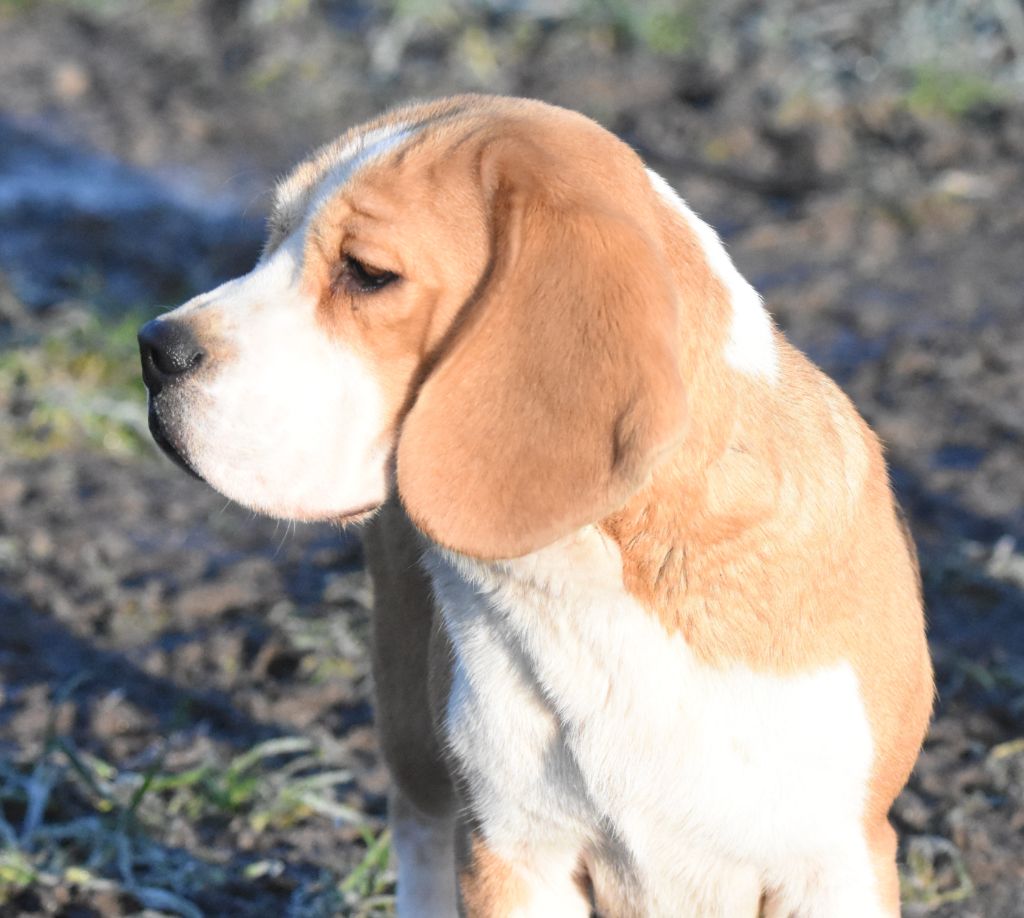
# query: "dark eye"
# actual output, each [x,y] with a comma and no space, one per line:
[359,277]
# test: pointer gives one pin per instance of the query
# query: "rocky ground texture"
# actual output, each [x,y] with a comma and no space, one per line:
[184,716]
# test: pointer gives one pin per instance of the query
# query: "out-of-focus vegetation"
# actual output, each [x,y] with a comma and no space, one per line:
[110,831]
[934,874]
[935,91]
[946,54]
[75,385]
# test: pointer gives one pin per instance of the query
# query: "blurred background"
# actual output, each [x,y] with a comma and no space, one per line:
[184,717]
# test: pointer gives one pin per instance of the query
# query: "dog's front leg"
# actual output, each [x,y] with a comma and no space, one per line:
[532,884]
[424,848]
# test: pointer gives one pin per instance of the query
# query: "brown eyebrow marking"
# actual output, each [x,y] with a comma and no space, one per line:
[414,142]
[308,175]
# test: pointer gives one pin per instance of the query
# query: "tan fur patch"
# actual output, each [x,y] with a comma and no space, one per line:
[775,544]
[489,885]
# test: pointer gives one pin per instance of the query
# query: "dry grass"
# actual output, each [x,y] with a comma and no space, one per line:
[71,821]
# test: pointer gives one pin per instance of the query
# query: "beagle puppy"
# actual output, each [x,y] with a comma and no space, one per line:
[649,636]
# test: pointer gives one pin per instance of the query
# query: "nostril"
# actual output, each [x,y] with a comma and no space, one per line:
[168,349]
[175,360]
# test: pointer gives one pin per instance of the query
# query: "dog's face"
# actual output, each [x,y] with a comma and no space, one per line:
[283,388]
[469,300]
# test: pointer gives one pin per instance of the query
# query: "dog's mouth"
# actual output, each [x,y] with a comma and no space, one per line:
[156,428]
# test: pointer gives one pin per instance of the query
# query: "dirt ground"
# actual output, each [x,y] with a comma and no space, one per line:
[184,716]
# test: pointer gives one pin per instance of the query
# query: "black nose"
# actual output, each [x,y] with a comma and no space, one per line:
[169,352]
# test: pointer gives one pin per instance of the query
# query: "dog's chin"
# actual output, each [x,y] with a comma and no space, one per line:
[356,517]
[166,443]
[166,439]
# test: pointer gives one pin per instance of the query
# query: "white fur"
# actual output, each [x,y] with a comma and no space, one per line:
[751,345]
[553,891]
[338,163]
[583,728]
[291,423]
[360,152]
[424,850]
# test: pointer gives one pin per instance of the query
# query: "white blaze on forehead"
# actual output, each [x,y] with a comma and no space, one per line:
[362,151]
[337,163]
[751,344]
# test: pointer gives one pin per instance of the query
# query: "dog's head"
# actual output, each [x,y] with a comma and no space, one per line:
[472,301]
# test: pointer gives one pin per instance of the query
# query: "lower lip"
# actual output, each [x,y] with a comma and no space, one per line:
[169,449]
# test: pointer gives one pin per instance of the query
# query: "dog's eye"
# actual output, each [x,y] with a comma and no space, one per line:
[359,277]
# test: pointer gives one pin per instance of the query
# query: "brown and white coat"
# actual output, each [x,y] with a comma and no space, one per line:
[648,634]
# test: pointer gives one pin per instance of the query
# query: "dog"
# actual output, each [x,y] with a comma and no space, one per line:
[648,628]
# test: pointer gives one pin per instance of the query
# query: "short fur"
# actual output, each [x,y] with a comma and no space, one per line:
[648,635]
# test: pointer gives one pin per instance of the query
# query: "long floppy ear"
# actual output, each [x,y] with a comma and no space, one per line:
[560,387]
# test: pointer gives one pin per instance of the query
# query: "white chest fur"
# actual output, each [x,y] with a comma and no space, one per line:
[583,728]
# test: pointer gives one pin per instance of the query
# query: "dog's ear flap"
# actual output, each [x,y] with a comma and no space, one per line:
[560,386]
